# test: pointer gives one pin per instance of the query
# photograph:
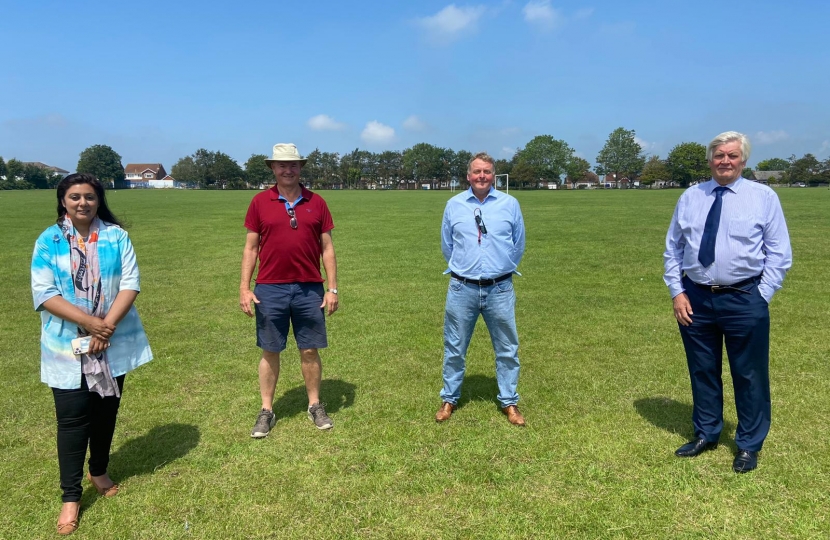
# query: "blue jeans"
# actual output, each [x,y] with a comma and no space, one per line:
[496,304]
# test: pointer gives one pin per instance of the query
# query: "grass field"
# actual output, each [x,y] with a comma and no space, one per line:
[604,386]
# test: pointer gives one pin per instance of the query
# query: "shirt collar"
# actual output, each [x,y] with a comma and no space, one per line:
[494,193]
[304,193]
[733,187]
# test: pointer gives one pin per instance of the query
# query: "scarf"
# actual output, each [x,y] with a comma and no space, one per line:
[86,277]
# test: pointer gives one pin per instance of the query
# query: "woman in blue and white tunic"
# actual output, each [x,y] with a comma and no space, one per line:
[84,282]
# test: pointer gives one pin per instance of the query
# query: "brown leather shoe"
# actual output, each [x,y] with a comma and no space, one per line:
[111,491]
[444,412]
[513,415]
[71,526]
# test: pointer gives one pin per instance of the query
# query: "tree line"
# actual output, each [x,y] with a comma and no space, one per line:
[544,159]
[19,175]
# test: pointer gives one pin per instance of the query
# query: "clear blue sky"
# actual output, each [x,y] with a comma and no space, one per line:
[158,80]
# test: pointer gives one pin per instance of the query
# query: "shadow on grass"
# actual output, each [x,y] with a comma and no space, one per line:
[143,455]
[336,394]
[478,388]
[156,448]
[671,415]
[668,414]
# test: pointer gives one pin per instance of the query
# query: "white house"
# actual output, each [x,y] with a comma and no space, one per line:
[139,175]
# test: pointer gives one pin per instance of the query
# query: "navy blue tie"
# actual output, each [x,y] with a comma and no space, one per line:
[706,256]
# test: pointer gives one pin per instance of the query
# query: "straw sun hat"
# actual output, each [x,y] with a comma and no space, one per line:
[285,152]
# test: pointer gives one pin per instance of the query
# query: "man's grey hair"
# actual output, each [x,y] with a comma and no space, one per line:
[729,136]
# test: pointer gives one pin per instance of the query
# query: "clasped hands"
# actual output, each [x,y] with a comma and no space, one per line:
[101,332]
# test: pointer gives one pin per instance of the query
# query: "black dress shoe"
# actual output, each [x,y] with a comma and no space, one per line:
[745,461]
[695,448]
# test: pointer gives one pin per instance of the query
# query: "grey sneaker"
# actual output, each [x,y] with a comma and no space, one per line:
[264,422]
[317,414]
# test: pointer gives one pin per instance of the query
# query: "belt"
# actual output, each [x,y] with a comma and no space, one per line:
[735,287]
[481,282]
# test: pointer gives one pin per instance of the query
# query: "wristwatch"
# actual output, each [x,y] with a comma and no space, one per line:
[334,291]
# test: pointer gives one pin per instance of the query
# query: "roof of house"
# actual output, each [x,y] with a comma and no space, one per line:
[45,166]
[137,168]
[766,175]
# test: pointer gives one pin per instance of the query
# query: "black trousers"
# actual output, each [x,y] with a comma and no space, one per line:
[740,322]
[85,419]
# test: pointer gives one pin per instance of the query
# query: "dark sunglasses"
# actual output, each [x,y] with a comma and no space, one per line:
[293,221]
[480,224]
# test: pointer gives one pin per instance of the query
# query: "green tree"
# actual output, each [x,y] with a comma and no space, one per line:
[390,167]
[36,176]
[748,173]
[578,170]
[350,170]
[773,164]
[458,169]
[14,175]
[257,171]
[504,166]
[204,159]
[103,162]
[824,175]
[425,162]
[654,170]
[185,171]
[687,163]
[806,169]
[524,174]
[311,172]
[2,167]
[227,173]
[543,158]
[366,164]
[330,166]
[622,155]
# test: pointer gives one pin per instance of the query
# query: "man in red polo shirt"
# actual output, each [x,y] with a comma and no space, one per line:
[289,231]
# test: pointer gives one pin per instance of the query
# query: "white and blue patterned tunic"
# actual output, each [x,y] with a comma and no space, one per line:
[52,276]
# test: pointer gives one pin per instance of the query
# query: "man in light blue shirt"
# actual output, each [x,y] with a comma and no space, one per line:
[727,251]
[483,240]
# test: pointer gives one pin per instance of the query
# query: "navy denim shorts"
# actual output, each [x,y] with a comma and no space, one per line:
[294,303]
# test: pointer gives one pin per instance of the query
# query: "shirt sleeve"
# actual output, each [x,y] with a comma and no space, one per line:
[130,279]
[673,256]
[446,234]
[518,235]
[252,217]
[779,255]
[327,221]
[43,275]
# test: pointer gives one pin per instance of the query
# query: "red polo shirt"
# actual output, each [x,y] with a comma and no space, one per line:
[289,255]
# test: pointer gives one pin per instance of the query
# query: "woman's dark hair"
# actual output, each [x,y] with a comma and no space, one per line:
[82,178]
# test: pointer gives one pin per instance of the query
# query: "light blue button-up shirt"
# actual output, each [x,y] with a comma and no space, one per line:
[499,251]
[752,238]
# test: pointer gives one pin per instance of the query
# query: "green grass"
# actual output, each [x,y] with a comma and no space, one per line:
[604,386]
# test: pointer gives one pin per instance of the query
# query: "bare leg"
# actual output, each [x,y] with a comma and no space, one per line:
[269,373]
[312,368]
